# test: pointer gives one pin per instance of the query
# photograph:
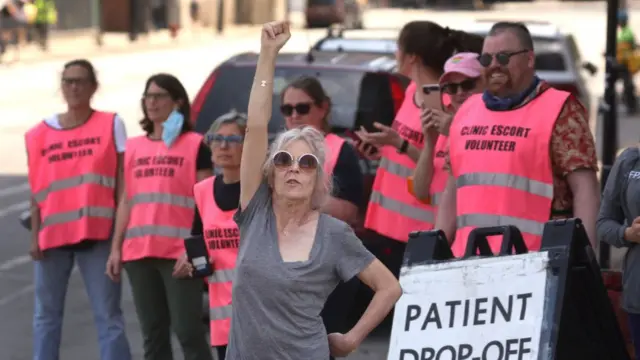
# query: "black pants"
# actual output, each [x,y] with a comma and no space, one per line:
[41,32]
[629,93]
[222,351]
[164,303]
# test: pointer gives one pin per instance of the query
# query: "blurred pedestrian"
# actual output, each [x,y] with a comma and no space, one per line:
[155,215]
[619,225]
[626,50]
[393,212]
[291,255]
[305,102]
[173,17]
[460,80]
[75,174]
[217,199]
[46,16]
[521,153]
[13,25]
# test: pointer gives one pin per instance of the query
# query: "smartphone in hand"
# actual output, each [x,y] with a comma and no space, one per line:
[368,148]
[429,88]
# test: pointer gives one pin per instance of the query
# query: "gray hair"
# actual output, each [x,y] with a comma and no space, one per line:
[315,140]
[231,117]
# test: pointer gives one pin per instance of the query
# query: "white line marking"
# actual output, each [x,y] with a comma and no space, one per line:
[15,295]
[15,262]
[14,208]
[24,291]
[12,190]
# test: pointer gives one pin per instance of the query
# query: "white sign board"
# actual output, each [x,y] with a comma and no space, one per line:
[476,309]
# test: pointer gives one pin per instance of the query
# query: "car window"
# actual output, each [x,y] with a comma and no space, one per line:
[357,98]
[550,62]
[549,55]
[383,46]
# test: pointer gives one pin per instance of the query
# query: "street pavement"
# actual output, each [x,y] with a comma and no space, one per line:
[29,92]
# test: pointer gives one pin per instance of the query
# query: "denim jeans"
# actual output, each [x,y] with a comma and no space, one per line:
[51,281]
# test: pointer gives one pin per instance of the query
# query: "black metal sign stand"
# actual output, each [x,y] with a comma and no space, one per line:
[579,320]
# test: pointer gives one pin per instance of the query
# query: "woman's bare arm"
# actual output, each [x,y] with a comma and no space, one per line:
[386,292]
[274,36]
[423,173]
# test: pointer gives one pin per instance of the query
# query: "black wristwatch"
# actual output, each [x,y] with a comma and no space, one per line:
[404,147]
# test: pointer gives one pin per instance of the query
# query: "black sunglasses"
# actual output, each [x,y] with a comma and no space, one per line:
[465,86]
[283,160]
[217,140]
[301,109]
[502,57]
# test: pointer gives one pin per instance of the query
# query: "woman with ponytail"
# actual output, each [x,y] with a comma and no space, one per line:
[393,212]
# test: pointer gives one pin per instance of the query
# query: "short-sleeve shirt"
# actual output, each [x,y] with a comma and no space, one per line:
[277,304]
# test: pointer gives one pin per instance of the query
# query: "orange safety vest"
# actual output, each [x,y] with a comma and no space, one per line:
[222,237]
[502,167]
[72,175]
[440,175]
[333,144]
[392,210]
[159,183]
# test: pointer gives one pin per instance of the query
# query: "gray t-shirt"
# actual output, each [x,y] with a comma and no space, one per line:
[277,304]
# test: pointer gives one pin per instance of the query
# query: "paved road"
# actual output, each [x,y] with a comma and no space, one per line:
[32,93]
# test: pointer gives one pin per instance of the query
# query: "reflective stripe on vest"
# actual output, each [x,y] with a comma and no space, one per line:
[502,167]
[333,143]
[222,237]
[392,210]
[160,198]
[72,176]
[63,184]
[220,313]
[440,175]
[159,184]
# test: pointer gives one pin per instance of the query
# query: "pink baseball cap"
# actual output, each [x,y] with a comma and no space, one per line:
[465,63]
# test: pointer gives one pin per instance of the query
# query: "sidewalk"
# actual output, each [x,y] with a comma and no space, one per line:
[83,43]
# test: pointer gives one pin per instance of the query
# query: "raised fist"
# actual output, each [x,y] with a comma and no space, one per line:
[274,35]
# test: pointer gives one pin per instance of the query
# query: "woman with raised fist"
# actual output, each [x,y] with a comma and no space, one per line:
[292,256]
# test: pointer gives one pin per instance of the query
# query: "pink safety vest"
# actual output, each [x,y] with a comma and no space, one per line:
[393,211]
[222,237]
[502,167]
[333,143]
[72,175]
[159,184]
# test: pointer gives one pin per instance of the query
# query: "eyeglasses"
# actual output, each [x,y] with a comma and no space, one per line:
[283,160]
[218,140]
[465,86]
[74,81]
[301,109]
[155,96]
[502,57]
